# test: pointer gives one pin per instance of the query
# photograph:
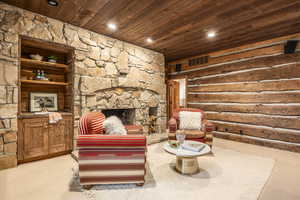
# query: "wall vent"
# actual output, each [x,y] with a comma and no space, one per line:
[198,61]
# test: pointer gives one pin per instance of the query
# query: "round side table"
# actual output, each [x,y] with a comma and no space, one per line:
[186,161]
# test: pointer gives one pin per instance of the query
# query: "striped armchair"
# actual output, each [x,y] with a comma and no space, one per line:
[109,159]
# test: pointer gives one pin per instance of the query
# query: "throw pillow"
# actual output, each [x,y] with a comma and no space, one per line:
[114,126]
[190,120]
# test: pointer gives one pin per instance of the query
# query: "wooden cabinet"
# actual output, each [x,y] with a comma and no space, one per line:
[35,137]
[38,138]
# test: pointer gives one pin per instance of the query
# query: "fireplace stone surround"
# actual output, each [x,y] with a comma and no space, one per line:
[140,101]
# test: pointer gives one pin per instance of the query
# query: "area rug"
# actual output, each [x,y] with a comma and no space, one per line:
[226,174]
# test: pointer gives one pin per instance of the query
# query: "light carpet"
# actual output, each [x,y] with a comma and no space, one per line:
[225,175]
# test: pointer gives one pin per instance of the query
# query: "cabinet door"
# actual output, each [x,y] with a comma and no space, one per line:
[35,132]
[57,137]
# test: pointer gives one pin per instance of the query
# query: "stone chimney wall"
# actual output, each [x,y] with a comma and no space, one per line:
[101,64]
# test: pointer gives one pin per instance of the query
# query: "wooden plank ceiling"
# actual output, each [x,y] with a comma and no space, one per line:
[178,27]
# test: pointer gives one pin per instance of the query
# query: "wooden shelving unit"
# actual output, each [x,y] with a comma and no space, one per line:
[26,62]
[44,82]
[37,138]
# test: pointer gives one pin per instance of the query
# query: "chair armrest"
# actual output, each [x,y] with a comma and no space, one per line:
[208,126]
[172,124]
[111,141]
[134,129]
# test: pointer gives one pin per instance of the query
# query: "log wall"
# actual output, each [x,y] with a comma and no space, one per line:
[251,93]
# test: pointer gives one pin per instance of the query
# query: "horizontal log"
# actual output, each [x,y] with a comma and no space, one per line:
[259,141]
[243,97]
[287,71]
[275,49]
[272,109]
[288,122]
[248,64]
[259,131]
[277,85]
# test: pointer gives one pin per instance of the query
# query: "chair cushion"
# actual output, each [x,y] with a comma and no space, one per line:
[114,126]
[190,120]
[175,114]
[190,134]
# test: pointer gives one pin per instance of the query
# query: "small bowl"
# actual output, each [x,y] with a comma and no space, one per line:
[173,143]
[36,57]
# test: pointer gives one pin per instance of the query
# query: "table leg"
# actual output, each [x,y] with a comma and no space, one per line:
[187,165]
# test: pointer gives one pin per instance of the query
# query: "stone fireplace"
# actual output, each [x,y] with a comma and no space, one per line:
[132,105]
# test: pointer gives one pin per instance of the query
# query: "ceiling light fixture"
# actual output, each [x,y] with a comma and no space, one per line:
[112,26]
[149,40]
[211,34]
[53,2]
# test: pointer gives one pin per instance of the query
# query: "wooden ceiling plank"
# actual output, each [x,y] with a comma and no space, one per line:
[178,27]
[87,11]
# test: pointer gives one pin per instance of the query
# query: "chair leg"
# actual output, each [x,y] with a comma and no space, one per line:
[87,187]
[140,184]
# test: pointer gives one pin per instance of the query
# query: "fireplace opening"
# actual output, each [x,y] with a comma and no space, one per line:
[127,116]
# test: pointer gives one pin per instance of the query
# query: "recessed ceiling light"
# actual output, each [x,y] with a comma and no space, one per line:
[112,26]
[149,40]
[53,2]
[211,34]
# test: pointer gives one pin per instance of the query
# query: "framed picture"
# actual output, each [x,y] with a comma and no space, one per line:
[43,101]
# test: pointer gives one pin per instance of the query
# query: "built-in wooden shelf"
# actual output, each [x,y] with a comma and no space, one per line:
[44,82]
[42,64]
[49,139]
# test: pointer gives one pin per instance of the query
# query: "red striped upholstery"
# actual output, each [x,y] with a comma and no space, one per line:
[86,141]
[91,123]
[109,159]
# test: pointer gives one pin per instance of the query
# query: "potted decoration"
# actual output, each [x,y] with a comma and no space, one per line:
[52,59]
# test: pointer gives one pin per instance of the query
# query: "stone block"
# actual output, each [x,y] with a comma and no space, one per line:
[11,37]
[114,52]
[4,123]
[8,161]
[8,73]
[122,63]
[95,53]
[90,85]
[3,94]
[10,148]
[1,36]
[56,29]
[89,63]
[40,31]
[110,69]
[105,54]
[10,137]
[10,19]
[12,94]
